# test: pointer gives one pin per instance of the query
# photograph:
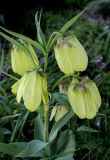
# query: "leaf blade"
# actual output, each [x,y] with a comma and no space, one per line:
[25,38]
[70,22]
[59,124]
[38,128]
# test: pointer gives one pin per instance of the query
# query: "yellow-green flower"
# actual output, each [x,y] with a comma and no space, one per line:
[21,61]
[29,87]
[58,112]
[32,87]
[84,98]
[70,55]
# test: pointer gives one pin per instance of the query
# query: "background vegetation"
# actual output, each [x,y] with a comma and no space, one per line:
[93,29]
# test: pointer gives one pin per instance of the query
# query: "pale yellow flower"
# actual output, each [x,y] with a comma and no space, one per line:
[32,87]
[29,88]
[22,61]
[84,98]
[70,55]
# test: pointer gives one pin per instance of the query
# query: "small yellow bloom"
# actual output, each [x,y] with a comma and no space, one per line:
[84,98]
[70,55]
[22,62]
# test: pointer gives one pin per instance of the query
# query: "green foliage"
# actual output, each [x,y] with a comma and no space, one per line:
[88,139]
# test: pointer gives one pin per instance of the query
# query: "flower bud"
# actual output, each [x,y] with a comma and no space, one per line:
[58,112]
[61,111]
[70,55]
[84,98]
[63,87]
[53,113]
[21,61]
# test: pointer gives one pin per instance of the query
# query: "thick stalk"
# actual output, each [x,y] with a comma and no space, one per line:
[46,122]
[46,62]
[46,106]
[52,39]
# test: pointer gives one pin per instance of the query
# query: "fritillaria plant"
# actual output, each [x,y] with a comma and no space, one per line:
[80,96]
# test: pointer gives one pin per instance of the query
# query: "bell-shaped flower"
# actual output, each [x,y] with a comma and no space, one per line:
[70,55]
[29,87]
[22,61]
[84,98]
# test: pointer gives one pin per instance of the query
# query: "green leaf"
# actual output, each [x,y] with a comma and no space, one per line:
[70,146]
[2,90]
[86,129]
[39,128]
[70,22]
[17,44]
[66,143]
[54,37]
[66,157]
[59,124]
[1,135]
[60,98]
[33,148]
[23,149]
[12,148]
[40,35]
[19,124]
[6,119]
[25,38]
[40,110]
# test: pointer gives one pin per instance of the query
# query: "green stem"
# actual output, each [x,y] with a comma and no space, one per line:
[46,62]
[46,106]
[9,75]
[46,122]
[108,151]
[63,77]
[52,39]
[2,59]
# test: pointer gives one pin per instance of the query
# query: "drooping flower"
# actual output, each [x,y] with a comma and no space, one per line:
[29,87]
[84,98]
[70,55]
[22,61]
[32,87]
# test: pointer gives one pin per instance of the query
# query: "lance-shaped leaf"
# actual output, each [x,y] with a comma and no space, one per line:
[23,149]
[71,22]
[40,35]
[23,37]
[58,125]
[39,128]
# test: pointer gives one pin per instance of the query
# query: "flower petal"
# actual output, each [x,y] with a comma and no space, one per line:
[33,92]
